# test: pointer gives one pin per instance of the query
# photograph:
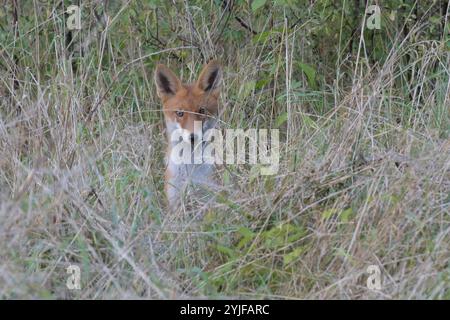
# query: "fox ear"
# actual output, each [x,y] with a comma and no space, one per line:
[210,78]
[167,83]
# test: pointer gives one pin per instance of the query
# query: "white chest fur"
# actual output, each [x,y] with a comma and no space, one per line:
[181,177]
[185,177]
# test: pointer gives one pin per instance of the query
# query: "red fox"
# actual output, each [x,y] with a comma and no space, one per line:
[184,104]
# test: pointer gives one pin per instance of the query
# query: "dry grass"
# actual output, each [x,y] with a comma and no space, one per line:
[364,174]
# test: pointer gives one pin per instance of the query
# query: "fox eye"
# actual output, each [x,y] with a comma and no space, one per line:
[202,110]
[179,113]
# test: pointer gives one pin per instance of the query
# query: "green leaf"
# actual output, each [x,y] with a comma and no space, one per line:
[225,250]
[256,4]
[262,83]
[310,74]
[435,20]
[281,2]
[327,214]
[261,37]
[226,178]
[282,118]
[281,235]
[293,255]
[269,183]
[346,215]
[247,236]
[154,3]
[247,89]
[310,123]
[245,232]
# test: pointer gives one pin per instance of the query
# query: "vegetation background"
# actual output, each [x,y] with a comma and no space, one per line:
[364,175]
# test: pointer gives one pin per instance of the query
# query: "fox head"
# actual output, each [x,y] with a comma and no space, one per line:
[184,104]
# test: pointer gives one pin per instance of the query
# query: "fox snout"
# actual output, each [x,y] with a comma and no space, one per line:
[196,134]
[191,137]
